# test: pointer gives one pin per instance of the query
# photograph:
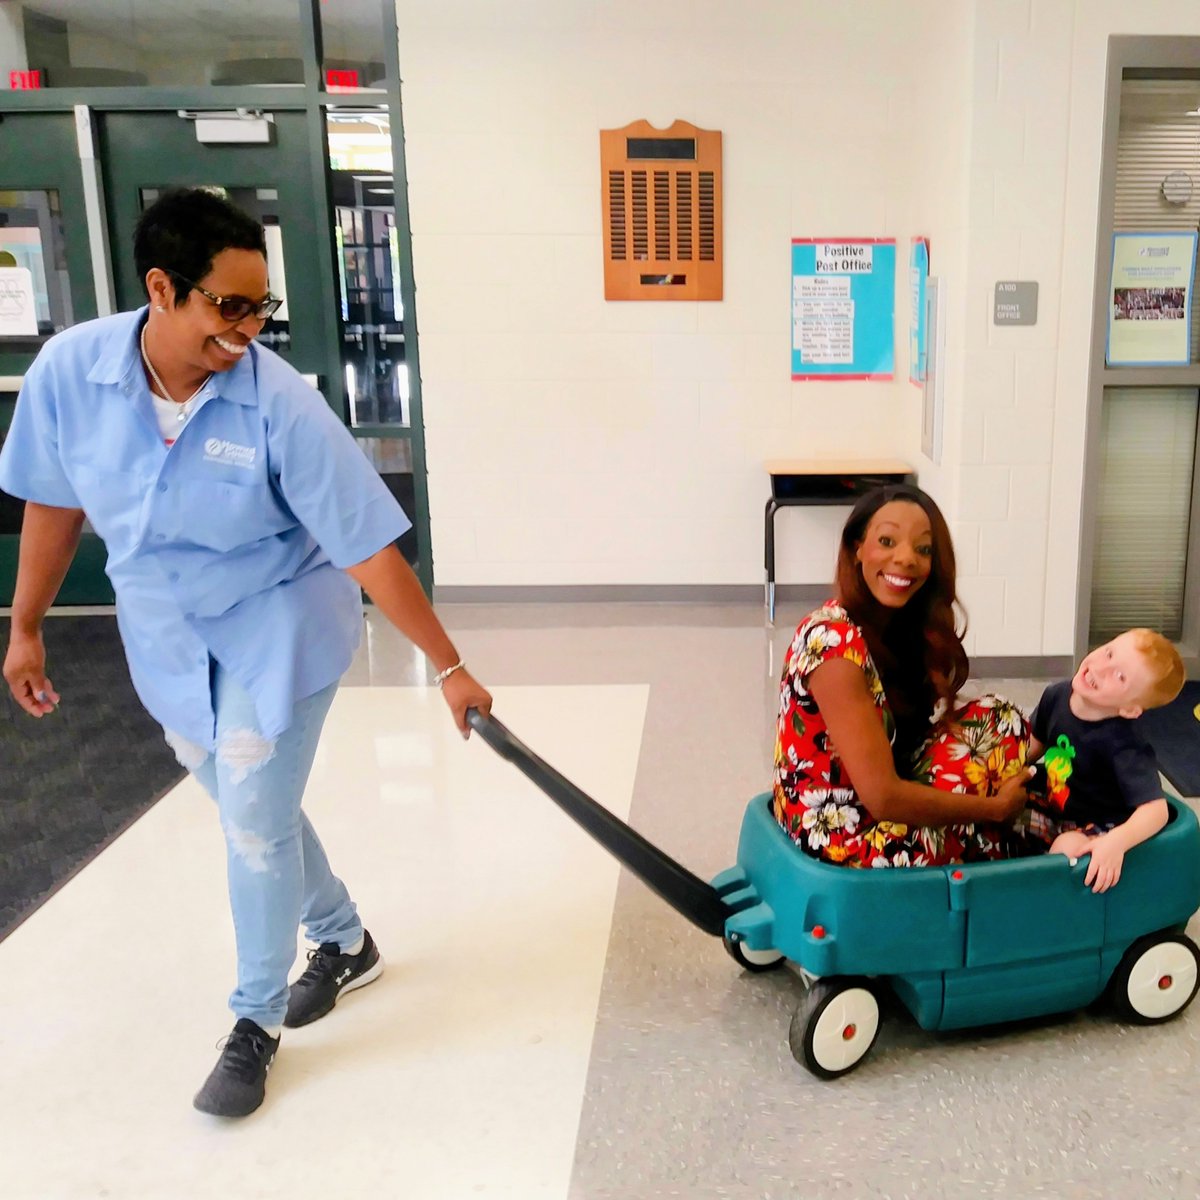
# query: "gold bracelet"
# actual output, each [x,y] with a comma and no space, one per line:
[442,676]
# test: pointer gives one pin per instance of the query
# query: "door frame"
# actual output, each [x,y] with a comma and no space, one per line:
[312,99]
[1175,57]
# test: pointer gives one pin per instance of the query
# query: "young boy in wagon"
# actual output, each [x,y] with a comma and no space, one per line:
[1102,794]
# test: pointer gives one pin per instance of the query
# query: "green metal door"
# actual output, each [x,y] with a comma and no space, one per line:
[46,285]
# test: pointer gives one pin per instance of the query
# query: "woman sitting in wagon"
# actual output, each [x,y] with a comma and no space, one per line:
[876,764]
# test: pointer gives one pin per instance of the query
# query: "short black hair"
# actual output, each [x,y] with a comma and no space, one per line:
[185,229]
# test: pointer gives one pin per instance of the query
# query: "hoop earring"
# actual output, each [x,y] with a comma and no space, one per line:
[159,308]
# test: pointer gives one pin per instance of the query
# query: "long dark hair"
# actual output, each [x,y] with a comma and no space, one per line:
[918,648]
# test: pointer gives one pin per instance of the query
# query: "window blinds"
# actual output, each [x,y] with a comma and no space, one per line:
[1148,450]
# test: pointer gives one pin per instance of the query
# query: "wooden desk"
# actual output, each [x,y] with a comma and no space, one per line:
[812,481]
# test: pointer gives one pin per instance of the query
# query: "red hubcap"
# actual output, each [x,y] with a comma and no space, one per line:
[849,1032]
[1164,983]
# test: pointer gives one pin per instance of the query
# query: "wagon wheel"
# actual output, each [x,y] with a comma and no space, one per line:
[753,960]
[1157,978]
[835,1026]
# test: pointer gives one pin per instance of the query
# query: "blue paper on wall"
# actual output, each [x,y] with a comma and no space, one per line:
[843,308]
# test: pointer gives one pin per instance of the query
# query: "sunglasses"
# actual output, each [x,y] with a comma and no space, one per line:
[235,308]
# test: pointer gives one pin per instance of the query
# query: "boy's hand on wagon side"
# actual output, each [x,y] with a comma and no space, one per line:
[1105,868]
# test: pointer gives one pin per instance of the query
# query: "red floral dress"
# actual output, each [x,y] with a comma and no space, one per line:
[972,750]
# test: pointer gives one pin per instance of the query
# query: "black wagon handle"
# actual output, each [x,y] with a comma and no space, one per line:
[689,895]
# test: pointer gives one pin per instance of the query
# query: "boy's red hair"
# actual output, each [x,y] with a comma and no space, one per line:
[1165,665]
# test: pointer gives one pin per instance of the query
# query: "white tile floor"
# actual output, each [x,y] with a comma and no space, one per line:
[459,1074]
[661,1070]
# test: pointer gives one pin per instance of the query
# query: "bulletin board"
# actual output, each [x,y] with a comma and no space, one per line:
[843,308]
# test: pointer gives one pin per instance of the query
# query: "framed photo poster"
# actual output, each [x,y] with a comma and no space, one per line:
[1150,299]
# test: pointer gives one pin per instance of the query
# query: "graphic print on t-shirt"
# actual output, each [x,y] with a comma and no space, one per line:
[1059,760]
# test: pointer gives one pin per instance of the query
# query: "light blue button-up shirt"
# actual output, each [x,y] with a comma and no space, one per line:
[231,542]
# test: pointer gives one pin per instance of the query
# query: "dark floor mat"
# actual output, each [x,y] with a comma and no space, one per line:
[74,780]
[1174,732]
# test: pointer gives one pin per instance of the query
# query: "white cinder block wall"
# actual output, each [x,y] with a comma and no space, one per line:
[575,441]
[1019,107]
[572,440]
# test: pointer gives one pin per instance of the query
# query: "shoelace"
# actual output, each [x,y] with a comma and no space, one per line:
[320,966]
[243,1053]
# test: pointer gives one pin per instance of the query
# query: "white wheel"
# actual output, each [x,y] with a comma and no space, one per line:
[761,958]
[1157,979]
[753,960]
[835,1027]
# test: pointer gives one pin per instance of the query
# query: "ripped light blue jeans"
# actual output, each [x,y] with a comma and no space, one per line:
[278,873]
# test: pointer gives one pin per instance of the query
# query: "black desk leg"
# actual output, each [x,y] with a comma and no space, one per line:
[769,543]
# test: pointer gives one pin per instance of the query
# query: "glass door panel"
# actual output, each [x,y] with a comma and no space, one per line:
[43,235]
[35,286]
[372,311]
[45,286]
[373,352]
[392,458]
[364,199]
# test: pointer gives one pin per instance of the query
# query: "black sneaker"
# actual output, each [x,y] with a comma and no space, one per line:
[328,975]
[239,1080]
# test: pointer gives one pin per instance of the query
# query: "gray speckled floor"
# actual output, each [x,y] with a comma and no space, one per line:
[691,1089]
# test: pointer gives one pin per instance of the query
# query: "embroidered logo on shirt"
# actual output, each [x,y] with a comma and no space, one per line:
[229,454]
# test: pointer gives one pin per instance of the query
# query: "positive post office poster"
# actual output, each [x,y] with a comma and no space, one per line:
[843,308]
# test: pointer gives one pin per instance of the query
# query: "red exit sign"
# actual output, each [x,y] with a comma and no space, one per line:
[24,81]
[341,79]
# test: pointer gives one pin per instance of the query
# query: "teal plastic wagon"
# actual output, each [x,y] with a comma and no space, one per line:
[961,946]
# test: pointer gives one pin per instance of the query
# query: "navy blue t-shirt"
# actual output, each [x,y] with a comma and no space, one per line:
[1097,771]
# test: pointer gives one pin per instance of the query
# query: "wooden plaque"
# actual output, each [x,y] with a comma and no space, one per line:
[661,199]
